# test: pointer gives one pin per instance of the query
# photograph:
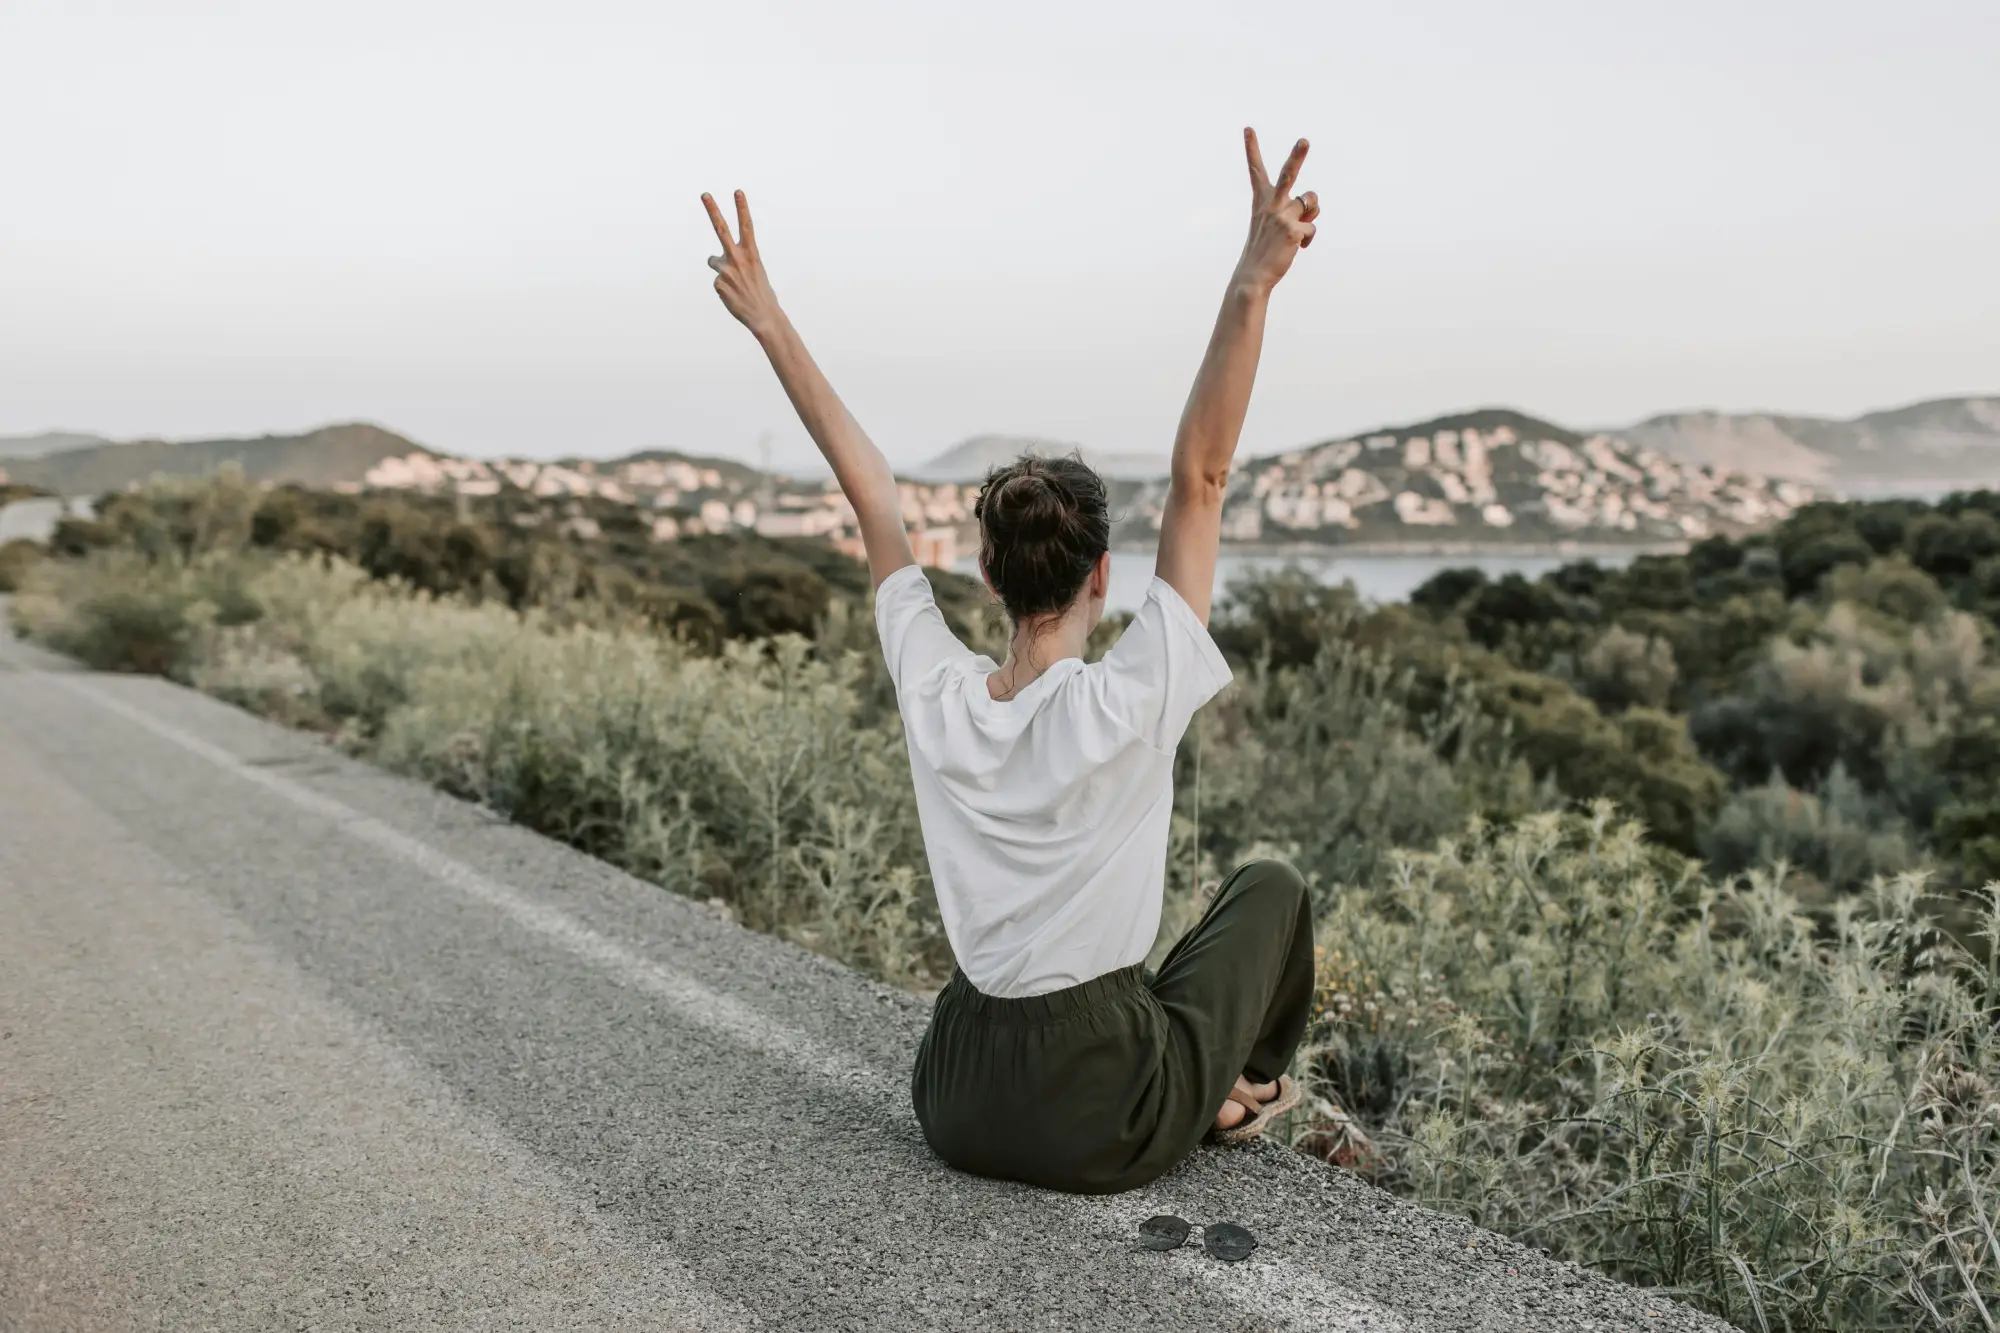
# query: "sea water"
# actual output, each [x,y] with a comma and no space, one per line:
[1377,576]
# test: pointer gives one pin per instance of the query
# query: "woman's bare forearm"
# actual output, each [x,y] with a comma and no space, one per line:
[863,473]
[1212,422]
[1205,445]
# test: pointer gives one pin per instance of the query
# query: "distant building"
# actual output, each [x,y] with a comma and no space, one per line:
[1361,488]
[816,522]
[1423,511]
[936,547]
[1245,523]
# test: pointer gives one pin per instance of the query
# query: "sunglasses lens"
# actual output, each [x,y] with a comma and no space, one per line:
[1165,1232]
[1227,1241]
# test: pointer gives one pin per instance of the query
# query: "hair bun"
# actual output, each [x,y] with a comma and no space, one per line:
[1029,504]
[1043,525]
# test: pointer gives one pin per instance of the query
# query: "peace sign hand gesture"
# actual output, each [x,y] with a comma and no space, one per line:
[1280,224]
[741,282]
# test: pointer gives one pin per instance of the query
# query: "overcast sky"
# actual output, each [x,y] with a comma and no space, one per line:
[477,223]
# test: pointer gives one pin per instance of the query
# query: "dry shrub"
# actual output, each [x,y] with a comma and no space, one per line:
[759,777]
[1565,1035]
[17,557]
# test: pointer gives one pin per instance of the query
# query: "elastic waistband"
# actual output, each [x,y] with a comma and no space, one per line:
[1050,1005]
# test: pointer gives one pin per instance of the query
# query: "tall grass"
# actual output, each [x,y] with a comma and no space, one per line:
[1564,1034]
[1544,1022]
[759,779]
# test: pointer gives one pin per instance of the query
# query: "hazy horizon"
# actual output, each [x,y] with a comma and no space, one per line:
[478,226]
[813,464]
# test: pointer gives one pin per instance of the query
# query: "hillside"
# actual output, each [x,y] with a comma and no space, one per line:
[1494,476]
[46,442]
[1940,444]
[329,456]
[1487,420]
[1491,476]
[691,491]
[10,493]
[733,471]
[970,460]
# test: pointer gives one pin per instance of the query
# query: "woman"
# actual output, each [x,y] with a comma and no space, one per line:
[1045,785]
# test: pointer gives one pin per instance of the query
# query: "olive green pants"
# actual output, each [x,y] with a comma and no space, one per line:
[1104,1086]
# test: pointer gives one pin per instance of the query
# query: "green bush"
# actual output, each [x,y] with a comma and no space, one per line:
[573,556]
[1840,836]
[1952,547]
[758,778]
[1544,733]
[1566,1035]
[1627,670]
[1333,762]
[17,557]
[121,612]
[10,491]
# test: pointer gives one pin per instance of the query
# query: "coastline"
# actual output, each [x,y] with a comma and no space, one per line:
[1322,552]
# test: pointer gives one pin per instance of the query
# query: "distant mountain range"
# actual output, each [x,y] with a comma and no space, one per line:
[48,442]
[974,458]
[1493,475]
[328,456]
[1942,444]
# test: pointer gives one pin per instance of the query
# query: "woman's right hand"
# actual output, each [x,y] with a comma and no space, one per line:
[741,282]
[1280,225]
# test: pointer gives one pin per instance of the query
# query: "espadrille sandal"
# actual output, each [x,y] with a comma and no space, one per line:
[1258,1115]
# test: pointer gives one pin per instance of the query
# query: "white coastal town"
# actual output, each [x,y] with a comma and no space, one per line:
[1471,484]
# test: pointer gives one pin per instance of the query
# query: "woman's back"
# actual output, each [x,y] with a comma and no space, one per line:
[1045,785]
[1045,816]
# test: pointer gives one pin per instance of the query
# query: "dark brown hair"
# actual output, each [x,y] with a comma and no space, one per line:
[1043,523]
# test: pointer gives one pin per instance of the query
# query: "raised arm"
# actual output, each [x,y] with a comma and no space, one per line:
[858,466]
[1191,527]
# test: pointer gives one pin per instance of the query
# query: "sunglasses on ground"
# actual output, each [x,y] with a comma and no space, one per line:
[1219,1240]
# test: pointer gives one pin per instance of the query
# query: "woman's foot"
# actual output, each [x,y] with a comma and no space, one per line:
[1232,1113]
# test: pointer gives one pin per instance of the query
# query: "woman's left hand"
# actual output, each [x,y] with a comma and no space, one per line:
[741,282]
[1281,224]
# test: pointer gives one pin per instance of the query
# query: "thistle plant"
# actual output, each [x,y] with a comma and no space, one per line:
[1557,1030]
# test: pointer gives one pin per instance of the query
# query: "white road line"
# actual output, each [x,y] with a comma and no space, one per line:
[706,1008]
[1267,1287]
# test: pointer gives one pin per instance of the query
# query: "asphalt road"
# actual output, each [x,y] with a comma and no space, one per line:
[288,1043]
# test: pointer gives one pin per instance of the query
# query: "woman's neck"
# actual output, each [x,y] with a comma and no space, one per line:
[1033,650]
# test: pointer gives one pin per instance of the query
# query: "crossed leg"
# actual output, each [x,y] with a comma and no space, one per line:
[1234,1112]
[1237,988]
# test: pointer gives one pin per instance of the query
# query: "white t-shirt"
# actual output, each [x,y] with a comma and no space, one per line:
[1045,816]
